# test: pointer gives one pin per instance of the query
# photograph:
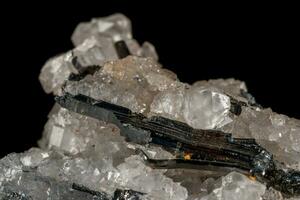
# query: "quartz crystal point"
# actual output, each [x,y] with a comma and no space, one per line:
[94,45]
[82,157]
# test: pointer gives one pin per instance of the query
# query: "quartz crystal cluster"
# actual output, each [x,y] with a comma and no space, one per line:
[80,157]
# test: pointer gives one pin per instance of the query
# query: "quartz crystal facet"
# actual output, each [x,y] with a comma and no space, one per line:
[86,152]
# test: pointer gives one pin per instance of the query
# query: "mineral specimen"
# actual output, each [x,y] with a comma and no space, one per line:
[124,127]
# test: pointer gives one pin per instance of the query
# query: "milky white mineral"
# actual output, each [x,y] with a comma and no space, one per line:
[80,157]
[236,186]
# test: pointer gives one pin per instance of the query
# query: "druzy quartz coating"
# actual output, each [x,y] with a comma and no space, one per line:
[124,127]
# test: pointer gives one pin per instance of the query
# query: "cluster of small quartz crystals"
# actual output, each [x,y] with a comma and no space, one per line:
[94,43]
[82,150]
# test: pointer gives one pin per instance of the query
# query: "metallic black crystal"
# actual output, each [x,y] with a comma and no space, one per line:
[122,49]
[203,147]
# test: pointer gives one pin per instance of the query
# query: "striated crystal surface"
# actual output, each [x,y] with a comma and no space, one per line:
[131,82]
[52,175]
[80,157]
[141,85]
[278,133]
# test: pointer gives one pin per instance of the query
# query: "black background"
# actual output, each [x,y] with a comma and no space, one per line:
[255,43]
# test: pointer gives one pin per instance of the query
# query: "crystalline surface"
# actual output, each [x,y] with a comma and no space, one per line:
[278,133]
[117,27]
[272,194]
[109,164]
[104,165]
[94,43]
[169,103]
[54,72]
[94,155]
[228,86]
[131,82]
[90,52]
[142,85]
[235,186]
[205,108]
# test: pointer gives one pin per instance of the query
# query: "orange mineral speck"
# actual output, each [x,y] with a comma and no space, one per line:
[187,156]
[252,178]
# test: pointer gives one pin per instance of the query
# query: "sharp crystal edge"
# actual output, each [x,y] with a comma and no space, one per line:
[206,147]
[126,128]
[58,189]
[122,49]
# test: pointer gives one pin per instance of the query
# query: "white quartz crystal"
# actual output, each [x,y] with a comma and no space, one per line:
[116,27]
[205,108]
[109,164]
[169,103]
[94,45]
[55,71]
[96,156]
[143,86]
[78,149]
[278,133]
[228,86]
[90,52]
[235,186]
[113,28]
[131,82]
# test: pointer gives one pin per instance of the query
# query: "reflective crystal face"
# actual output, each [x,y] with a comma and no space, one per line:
[206,109]
[116,27]
[79,149]
[94,45]
[235,186]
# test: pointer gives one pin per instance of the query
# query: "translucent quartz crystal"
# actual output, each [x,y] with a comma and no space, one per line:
[82,150]
[134,174]
[278,133]
[114,28]
[271,194]
[131,82]
[55,71]
[103,146]
[134,82]
[235,186]
[74,133]
[94,43]
[203,108]
[117,27]
[169,103]
[51,176]
[206,109]
[228,86]
[58,69]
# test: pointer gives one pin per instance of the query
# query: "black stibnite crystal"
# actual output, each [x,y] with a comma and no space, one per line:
[236,106]
[82,188]
[122,49]
[89,70]
[208,149]
[127,195]
[82,71]
[118,194]
[59,188]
